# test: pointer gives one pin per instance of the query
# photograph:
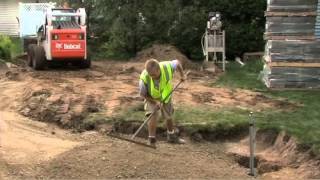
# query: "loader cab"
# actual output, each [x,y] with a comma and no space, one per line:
[59,21]
[63,18]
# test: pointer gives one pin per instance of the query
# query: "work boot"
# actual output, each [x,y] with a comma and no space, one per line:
[152,141]
[174,138]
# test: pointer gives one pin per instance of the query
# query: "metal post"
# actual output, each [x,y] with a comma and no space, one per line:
[224,52]
[252,144]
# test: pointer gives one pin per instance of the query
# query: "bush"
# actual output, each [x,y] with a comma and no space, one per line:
[6,47]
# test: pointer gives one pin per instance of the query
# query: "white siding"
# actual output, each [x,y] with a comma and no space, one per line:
[8,16]
[8,21]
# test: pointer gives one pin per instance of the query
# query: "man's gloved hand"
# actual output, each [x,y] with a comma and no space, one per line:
[158,106]
[183,77]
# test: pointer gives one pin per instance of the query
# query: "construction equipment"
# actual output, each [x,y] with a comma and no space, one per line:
[213,40]
[55,34]
[111,134]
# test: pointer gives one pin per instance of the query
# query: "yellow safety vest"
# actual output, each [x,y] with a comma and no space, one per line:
[165,85]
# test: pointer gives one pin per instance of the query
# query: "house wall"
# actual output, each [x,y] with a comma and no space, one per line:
[8,17]
[9,11]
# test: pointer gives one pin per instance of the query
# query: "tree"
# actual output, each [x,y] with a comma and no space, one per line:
[124,27]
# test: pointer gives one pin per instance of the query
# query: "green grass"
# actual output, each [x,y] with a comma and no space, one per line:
[203,118]
[245,77]
[94,120]
[303,122]
[196,119]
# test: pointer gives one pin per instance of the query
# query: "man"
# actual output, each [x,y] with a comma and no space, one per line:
[155,85]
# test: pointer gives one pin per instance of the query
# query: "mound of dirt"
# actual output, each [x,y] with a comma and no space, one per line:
[67,110]
[2,64]
[162,52]
[3,68]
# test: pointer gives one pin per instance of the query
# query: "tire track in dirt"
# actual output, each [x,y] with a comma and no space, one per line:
[25,143]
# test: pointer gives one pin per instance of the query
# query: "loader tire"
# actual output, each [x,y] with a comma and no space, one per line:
[85,64]
[39,60]
[30,53]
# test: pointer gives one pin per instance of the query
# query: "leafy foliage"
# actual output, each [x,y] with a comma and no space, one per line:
[6,47]
[123,27]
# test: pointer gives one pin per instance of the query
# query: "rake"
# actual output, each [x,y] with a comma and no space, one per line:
[132,138]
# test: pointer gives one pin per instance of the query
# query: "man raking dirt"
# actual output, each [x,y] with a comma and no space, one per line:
[156,88]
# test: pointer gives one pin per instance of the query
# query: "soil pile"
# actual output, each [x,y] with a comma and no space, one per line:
[3,69]
[162,52]
[67,110]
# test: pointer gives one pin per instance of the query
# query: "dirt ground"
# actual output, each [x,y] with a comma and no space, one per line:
[278,156]
[36,104]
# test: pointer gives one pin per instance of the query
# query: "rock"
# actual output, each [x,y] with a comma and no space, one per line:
[25,111]
[34,103]
[266,167]
[197,137]
[14,76]
[97,74]
[54,98]
[64,109]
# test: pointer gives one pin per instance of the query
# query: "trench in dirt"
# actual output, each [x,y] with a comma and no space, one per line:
[278,155]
